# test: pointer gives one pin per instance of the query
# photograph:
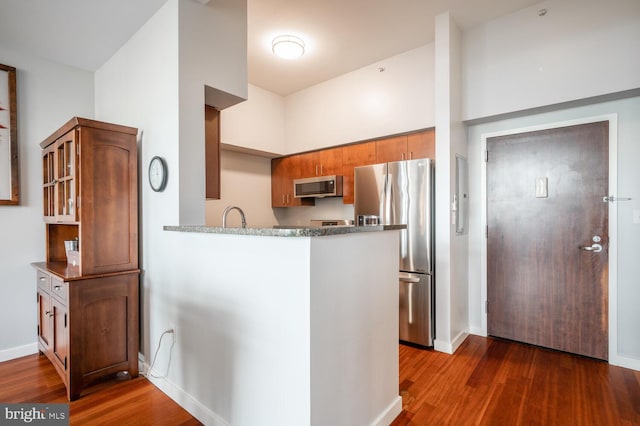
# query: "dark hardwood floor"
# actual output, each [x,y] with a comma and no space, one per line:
[495,382]
[486,382]
[135,402]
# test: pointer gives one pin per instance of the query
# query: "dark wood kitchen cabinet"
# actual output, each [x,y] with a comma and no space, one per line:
[325,162]
[406,147]
[88,302]
[341,160]
[283,171]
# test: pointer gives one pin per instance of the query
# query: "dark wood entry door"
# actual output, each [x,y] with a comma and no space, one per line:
[544,285]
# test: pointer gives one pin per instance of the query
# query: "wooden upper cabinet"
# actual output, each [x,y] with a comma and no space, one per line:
[360,154]
[212,152]
[325,162]
[406,147]
[422,144]
[341,161]
[90,171]
[279,178]
[328,162]
[391,149]
[283,171]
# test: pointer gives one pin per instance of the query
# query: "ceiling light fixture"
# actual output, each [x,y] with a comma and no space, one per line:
[288,46]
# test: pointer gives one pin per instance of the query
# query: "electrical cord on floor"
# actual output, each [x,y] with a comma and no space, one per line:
[155,355]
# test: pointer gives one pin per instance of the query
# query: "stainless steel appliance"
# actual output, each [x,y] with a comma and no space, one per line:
[402,192]
[318,187]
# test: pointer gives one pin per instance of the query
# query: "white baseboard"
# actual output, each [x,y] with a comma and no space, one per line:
[477,331]
[18,352]
[627,362]
[450,347]
[457,341]
[389,415]
[186,401]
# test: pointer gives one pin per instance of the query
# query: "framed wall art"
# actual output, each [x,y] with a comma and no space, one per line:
[9,185]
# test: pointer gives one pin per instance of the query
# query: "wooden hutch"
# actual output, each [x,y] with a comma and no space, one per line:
[88,300]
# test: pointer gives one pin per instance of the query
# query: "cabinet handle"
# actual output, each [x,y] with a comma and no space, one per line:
[321,169]
[42,278]
[57,287]
[410,155]
[402,156]
[316,170]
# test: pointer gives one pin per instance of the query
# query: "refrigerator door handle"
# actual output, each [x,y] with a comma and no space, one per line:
[410,302]
[410,283]
[409,279]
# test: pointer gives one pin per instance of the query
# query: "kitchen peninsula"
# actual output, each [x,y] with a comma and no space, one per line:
[300,324]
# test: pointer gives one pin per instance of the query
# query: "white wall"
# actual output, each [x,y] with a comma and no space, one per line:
[49,94]
[580,49]
[325,208]
[359,105]
[451,249]
[146,96]
[246,183]
[260,337]
[256,124]
[364,104]
[212,52]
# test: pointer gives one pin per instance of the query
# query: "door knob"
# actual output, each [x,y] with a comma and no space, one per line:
[595,247]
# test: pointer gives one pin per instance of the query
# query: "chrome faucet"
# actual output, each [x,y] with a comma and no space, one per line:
[226,212]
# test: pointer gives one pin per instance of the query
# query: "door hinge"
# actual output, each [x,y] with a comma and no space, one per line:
[38,328]
[486,155]
[613,199]
[65,320]
[65,362]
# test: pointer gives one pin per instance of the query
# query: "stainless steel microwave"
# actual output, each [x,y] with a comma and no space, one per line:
[318,187]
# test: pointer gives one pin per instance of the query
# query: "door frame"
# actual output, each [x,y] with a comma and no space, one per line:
[613,218]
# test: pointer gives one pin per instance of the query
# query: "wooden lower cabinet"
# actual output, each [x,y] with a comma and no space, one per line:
[88,325]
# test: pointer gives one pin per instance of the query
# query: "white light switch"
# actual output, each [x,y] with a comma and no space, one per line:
[636,216]
[541,187]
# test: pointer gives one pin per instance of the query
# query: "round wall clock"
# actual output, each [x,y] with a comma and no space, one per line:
[157,174]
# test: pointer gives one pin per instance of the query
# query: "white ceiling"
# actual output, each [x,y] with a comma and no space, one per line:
[341,35]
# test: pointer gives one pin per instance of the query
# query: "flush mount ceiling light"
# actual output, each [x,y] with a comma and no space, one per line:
[288,46]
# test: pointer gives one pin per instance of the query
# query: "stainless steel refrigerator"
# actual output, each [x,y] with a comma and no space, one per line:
[402,192]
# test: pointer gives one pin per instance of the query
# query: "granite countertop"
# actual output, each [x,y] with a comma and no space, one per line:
[284,231]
